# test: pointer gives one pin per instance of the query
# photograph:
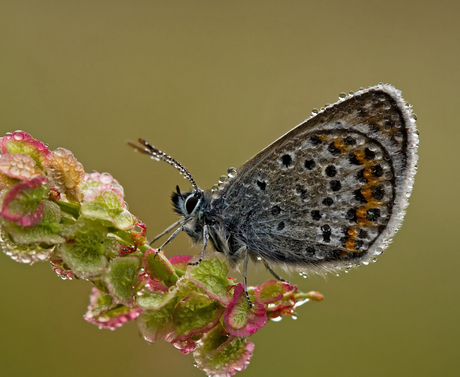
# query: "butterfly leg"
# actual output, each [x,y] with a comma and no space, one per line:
[277,277]
[205,243]
[171,237]
[166,231]
[245,274]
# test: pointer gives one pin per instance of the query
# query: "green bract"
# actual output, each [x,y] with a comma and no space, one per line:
[87,247]
[28,253]
[211,275]
[22,142]
[104,313]
[159,268]
[156,324]
[195,314]
[23,205]
[121,277]
[271,291]
[47,231]
[157,300]
[221,355]
[239,318]
[107,206]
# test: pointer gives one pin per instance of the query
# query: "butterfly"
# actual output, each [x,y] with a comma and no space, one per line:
[326,196]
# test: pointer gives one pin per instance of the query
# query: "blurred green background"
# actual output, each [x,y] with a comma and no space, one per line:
[212,83]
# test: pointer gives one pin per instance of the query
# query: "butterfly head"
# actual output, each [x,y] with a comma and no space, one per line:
[187,204]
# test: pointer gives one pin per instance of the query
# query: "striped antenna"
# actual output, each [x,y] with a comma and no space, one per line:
[161,156]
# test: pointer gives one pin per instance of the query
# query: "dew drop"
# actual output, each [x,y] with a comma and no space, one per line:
[378,251]
[314,111]
[343,95]
[360,140]
[231,172]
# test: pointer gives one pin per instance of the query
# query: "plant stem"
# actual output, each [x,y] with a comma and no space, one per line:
[69,208]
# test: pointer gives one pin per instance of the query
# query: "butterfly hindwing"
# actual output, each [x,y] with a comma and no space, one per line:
[330,192]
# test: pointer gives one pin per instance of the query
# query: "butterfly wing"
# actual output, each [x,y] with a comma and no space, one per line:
[331,192]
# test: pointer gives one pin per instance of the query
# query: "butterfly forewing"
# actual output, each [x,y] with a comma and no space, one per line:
[330,192]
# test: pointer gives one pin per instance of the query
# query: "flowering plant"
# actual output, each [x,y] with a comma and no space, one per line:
[52,211]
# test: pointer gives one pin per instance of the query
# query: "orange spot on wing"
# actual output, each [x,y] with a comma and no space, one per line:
[361,215]
[352,232]
[350,245]
[340,145]
[361,156]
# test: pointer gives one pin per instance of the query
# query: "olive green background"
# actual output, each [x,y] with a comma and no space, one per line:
[212,83]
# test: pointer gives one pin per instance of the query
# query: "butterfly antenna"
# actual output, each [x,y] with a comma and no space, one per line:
[159,155]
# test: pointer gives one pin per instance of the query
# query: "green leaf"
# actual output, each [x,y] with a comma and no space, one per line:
[107,205]
[218,354]
[23,205]
[196,314]
[239,318]
[179,323]
[156,324]
[28,253]
[47,231]
[86,248]
[121,278]
[159,268]
[271,291]
[103,312]
[211,275]
[22,142]
[154,300]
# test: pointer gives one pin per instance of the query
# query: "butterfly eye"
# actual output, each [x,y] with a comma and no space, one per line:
[191,203]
